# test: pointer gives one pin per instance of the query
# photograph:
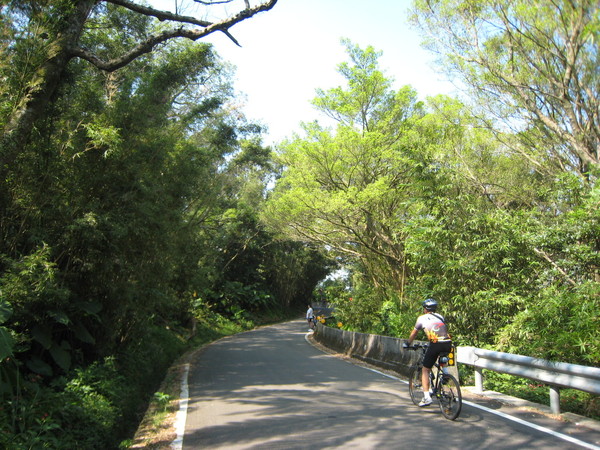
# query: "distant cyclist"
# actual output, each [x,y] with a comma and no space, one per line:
[435,328]
[310,317]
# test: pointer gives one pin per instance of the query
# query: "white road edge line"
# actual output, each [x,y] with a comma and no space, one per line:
[509,417]
[181,416]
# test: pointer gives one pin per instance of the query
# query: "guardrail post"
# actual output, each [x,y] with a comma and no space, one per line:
[479,380]
[554,399]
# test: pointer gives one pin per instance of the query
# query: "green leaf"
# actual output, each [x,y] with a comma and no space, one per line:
[35,364]
[60,317]
[5,311]
[61,356]
[42,335]
[83,334]
[6,343]
[91,307]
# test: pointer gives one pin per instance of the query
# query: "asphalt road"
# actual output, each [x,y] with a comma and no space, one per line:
[271,389]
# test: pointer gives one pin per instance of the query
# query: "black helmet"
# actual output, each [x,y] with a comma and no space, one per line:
[430,305]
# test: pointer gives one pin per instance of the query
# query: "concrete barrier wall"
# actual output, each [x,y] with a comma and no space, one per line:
[381,351]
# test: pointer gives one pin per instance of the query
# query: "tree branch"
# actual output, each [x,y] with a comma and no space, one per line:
[160,15]
[146,46]
[545,256]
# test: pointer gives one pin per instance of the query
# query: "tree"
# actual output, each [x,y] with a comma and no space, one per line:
[348,189]
[533,65]
[62,25]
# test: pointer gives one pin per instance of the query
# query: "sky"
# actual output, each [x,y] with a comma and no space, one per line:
[293,49]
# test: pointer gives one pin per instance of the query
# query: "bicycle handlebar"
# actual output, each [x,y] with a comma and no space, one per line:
[416,346]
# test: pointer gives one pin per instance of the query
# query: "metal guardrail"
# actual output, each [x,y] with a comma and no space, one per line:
[387,352]
[555,374]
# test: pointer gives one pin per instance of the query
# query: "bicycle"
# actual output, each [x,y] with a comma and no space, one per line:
[444,387]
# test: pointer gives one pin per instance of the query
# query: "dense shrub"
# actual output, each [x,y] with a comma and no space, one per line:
[93,407]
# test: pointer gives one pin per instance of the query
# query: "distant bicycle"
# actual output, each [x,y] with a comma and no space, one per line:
[445,387]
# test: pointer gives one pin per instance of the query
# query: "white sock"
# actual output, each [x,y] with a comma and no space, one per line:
[426,396]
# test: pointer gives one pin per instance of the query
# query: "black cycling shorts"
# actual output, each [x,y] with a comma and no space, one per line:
[433,352]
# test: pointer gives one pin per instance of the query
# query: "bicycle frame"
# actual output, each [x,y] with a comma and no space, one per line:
[444,387]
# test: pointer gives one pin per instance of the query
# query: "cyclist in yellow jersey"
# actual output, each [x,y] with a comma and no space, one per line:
[435,328]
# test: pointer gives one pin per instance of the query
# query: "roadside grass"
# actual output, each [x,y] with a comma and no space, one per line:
[157,429]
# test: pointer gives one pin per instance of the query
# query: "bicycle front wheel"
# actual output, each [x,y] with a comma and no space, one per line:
[415,386]
[450,398]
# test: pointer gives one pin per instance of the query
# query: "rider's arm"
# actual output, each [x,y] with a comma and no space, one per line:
[412,336]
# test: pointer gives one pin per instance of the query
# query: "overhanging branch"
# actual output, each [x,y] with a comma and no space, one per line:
[182,31]
[160,15]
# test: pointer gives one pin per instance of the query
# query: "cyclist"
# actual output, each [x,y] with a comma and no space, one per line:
[435,328]
[310,317]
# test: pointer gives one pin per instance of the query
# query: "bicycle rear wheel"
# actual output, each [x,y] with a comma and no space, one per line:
[415,386]
[449,396]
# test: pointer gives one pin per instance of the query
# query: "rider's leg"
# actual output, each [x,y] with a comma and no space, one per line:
[428,361]
[425,382]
